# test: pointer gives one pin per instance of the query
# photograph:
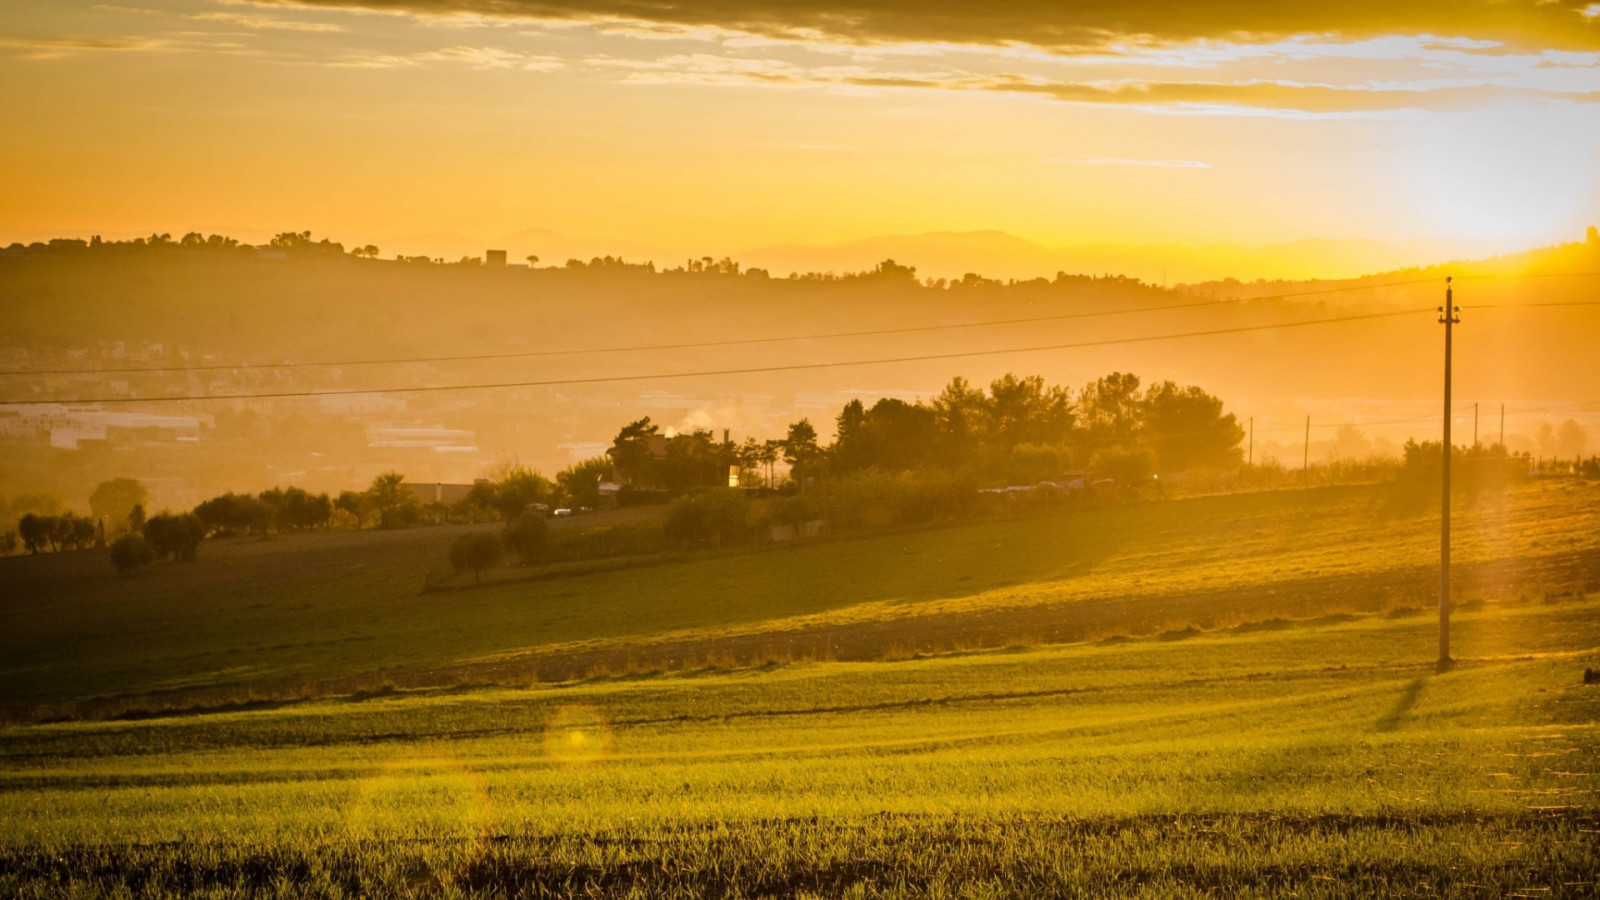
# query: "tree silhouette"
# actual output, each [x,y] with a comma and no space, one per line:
[395,503]
[475,552]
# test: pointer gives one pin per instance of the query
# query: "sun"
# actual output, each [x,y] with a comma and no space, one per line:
[1513,176]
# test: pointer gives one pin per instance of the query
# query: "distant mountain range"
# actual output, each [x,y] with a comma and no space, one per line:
[993,254]
[942,254]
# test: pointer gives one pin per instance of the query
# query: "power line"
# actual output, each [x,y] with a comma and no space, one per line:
[1553,303]
[1483,275]
[639,348]
[1432,417]
[792,367]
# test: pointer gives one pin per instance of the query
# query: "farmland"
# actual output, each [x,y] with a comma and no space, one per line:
[1229,694]
[277,619]
[1315,759]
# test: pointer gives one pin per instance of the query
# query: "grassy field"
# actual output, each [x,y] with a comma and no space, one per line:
[318,613]
[1308,760]
[1227,695]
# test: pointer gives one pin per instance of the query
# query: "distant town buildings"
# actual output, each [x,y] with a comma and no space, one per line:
[68,426]
[439,492]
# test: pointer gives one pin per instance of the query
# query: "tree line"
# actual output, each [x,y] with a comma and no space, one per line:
[1018,430]
[301,245]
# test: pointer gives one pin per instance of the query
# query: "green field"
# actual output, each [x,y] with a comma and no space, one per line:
[1252,710]
[344,611]
[1313,760]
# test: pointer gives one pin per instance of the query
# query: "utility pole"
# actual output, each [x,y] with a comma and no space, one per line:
[1449,315]
[1474,426]
[1305,458]
[1251,458]
[1502,428]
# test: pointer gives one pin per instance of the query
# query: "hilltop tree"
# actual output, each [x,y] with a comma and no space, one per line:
[36,532]
[518,488]
[1571,439]
[395,504]
[1185,427]
[631,449]
[113,500]
[173,536]
[893,435]
[72,532]
[581,481]
[354,503]
[961,410]
[1026,410]
[800,450]
[1108,410]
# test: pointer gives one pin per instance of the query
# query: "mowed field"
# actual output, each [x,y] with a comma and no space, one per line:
[1221,696]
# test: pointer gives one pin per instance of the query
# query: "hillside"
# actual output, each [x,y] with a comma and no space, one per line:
[1324,760]
[234,314]
[345,611]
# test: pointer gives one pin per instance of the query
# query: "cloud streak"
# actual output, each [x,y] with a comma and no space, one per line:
[1199,96]
[1561,24]
[1124,161]
[265,23]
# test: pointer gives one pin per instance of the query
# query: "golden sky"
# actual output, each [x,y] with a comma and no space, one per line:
[721,127]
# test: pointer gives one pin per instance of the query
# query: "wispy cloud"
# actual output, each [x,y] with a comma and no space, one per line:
[265,23]
[1270,96]
[1128,161]
[1050,23]
[491,58]
[59,47]
[470,57]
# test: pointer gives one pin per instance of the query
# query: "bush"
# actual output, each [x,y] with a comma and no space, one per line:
[475,552]
[1127,466]
[129,552]
[526,536]
[876,498]
[172,536]
[720,515]
[235,514]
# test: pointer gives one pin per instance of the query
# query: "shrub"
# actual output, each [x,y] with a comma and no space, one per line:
[129,552]
[1128,466]
[720,515]
[475,552]
[877,498]
[172,536]
[526,536]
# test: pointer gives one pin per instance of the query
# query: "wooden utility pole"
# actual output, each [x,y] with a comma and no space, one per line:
[1474,426]
[1449,315]
[1251,458]
[1502,428]
[1305,458]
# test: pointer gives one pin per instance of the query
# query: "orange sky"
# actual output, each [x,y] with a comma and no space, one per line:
[726,127]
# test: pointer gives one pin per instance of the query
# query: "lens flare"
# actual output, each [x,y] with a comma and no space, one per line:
[576,735]
[435,812]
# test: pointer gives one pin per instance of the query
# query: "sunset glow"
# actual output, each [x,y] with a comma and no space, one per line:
[664,130]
